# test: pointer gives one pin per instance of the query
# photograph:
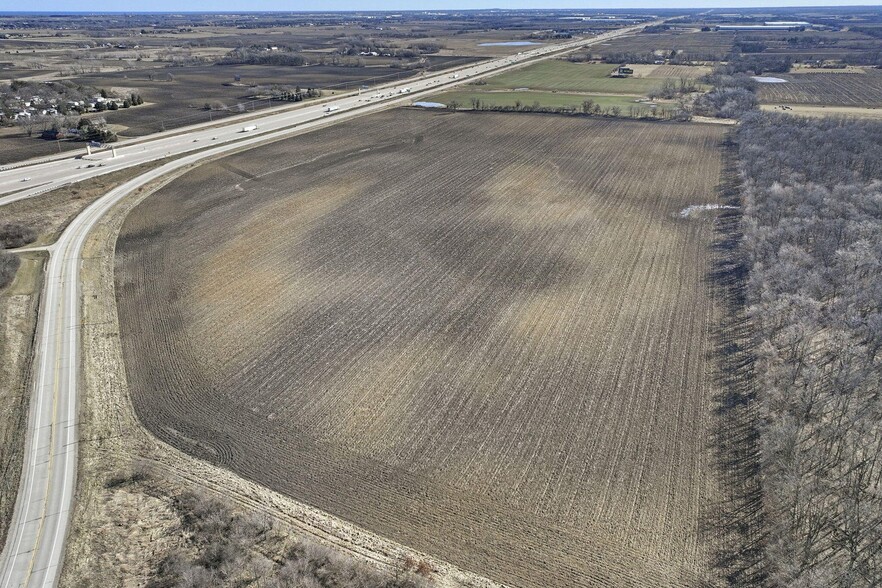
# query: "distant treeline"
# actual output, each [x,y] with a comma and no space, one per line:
[813,246]
[588,108]
[261,56]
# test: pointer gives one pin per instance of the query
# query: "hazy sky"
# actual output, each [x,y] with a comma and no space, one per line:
[323,5]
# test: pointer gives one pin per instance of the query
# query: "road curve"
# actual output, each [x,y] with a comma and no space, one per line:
[34,551]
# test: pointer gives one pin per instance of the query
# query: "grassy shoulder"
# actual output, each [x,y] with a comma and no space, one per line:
[49,214]
[19,303]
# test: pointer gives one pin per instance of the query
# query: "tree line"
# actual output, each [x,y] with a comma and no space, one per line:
[588,108]
[813,242]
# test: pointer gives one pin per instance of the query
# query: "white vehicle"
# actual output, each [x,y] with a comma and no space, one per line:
[249,128]
[25,179]
[330,109]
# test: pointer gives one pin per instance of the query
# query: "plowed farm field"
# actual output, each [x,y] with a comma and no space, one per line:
[857,89]
[483,335]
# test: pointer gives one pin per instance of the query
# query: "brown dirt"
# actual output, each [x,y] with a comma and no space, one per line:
[130,530]
[484,336]
[807,110]
[825,89]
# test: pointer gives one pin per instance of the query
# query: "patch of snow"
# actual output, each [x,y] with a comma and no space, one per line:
[769,80]
[430,104]
[693,208]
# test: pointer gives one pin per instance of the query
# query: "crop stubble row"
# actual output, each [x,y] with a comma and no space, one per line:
[482,335]
[827,89]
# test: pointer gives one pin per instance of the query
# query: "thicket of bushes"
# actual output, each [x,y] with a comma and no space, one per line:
[15,235]
[12,235]
[732,96]
[813,242]
[588,108]
[221,547]
[726,102]
[8,266]
[757,64]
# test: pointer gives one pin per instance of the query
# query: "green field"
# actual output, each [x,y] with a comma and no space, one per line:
[544,99]
[564,76]
[556,83]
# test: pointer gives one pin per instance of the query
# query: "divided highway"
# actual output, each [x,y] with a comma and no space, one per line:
[25,181]
[34,551]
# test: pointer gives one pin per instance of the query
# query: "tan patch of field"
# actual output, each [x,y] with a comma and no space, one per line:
[799,68]
[661,72]
[809,110]
[825,89]
[690,72]
[488,335]
[642,70]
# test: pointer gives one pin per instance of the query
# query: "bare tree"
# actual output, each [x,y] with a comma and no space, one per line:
[27,124]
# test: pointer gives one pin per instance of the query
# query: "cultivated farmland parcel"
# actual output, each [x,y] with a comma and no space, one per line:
[482,335]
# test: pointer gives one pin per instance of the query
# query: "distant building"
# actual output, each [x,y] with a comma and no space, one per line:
[788,23]
[623,71]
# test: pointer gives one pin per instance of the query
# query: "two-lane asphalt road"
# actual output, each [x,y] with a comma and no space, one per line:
[33,555]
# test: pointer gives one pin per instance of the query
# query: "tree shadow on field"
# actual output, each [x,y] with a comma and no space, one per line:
[735,526]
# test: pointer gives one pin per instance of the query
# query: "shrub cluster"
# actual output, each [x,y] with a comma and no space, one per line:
[231,549]
[732,96]
[15,235]
[8,266]
[12,235]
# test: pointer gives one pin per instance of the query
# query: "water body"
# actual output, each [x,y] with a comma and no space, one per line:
[769,80]
[430,104]
[508,44]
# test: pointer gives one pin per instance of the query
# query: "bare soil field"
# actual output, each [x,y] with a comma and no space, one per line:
[709,46]
[825,89]
[481,335]
[122,531]
[679,71]
[177,96]
[821,111]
